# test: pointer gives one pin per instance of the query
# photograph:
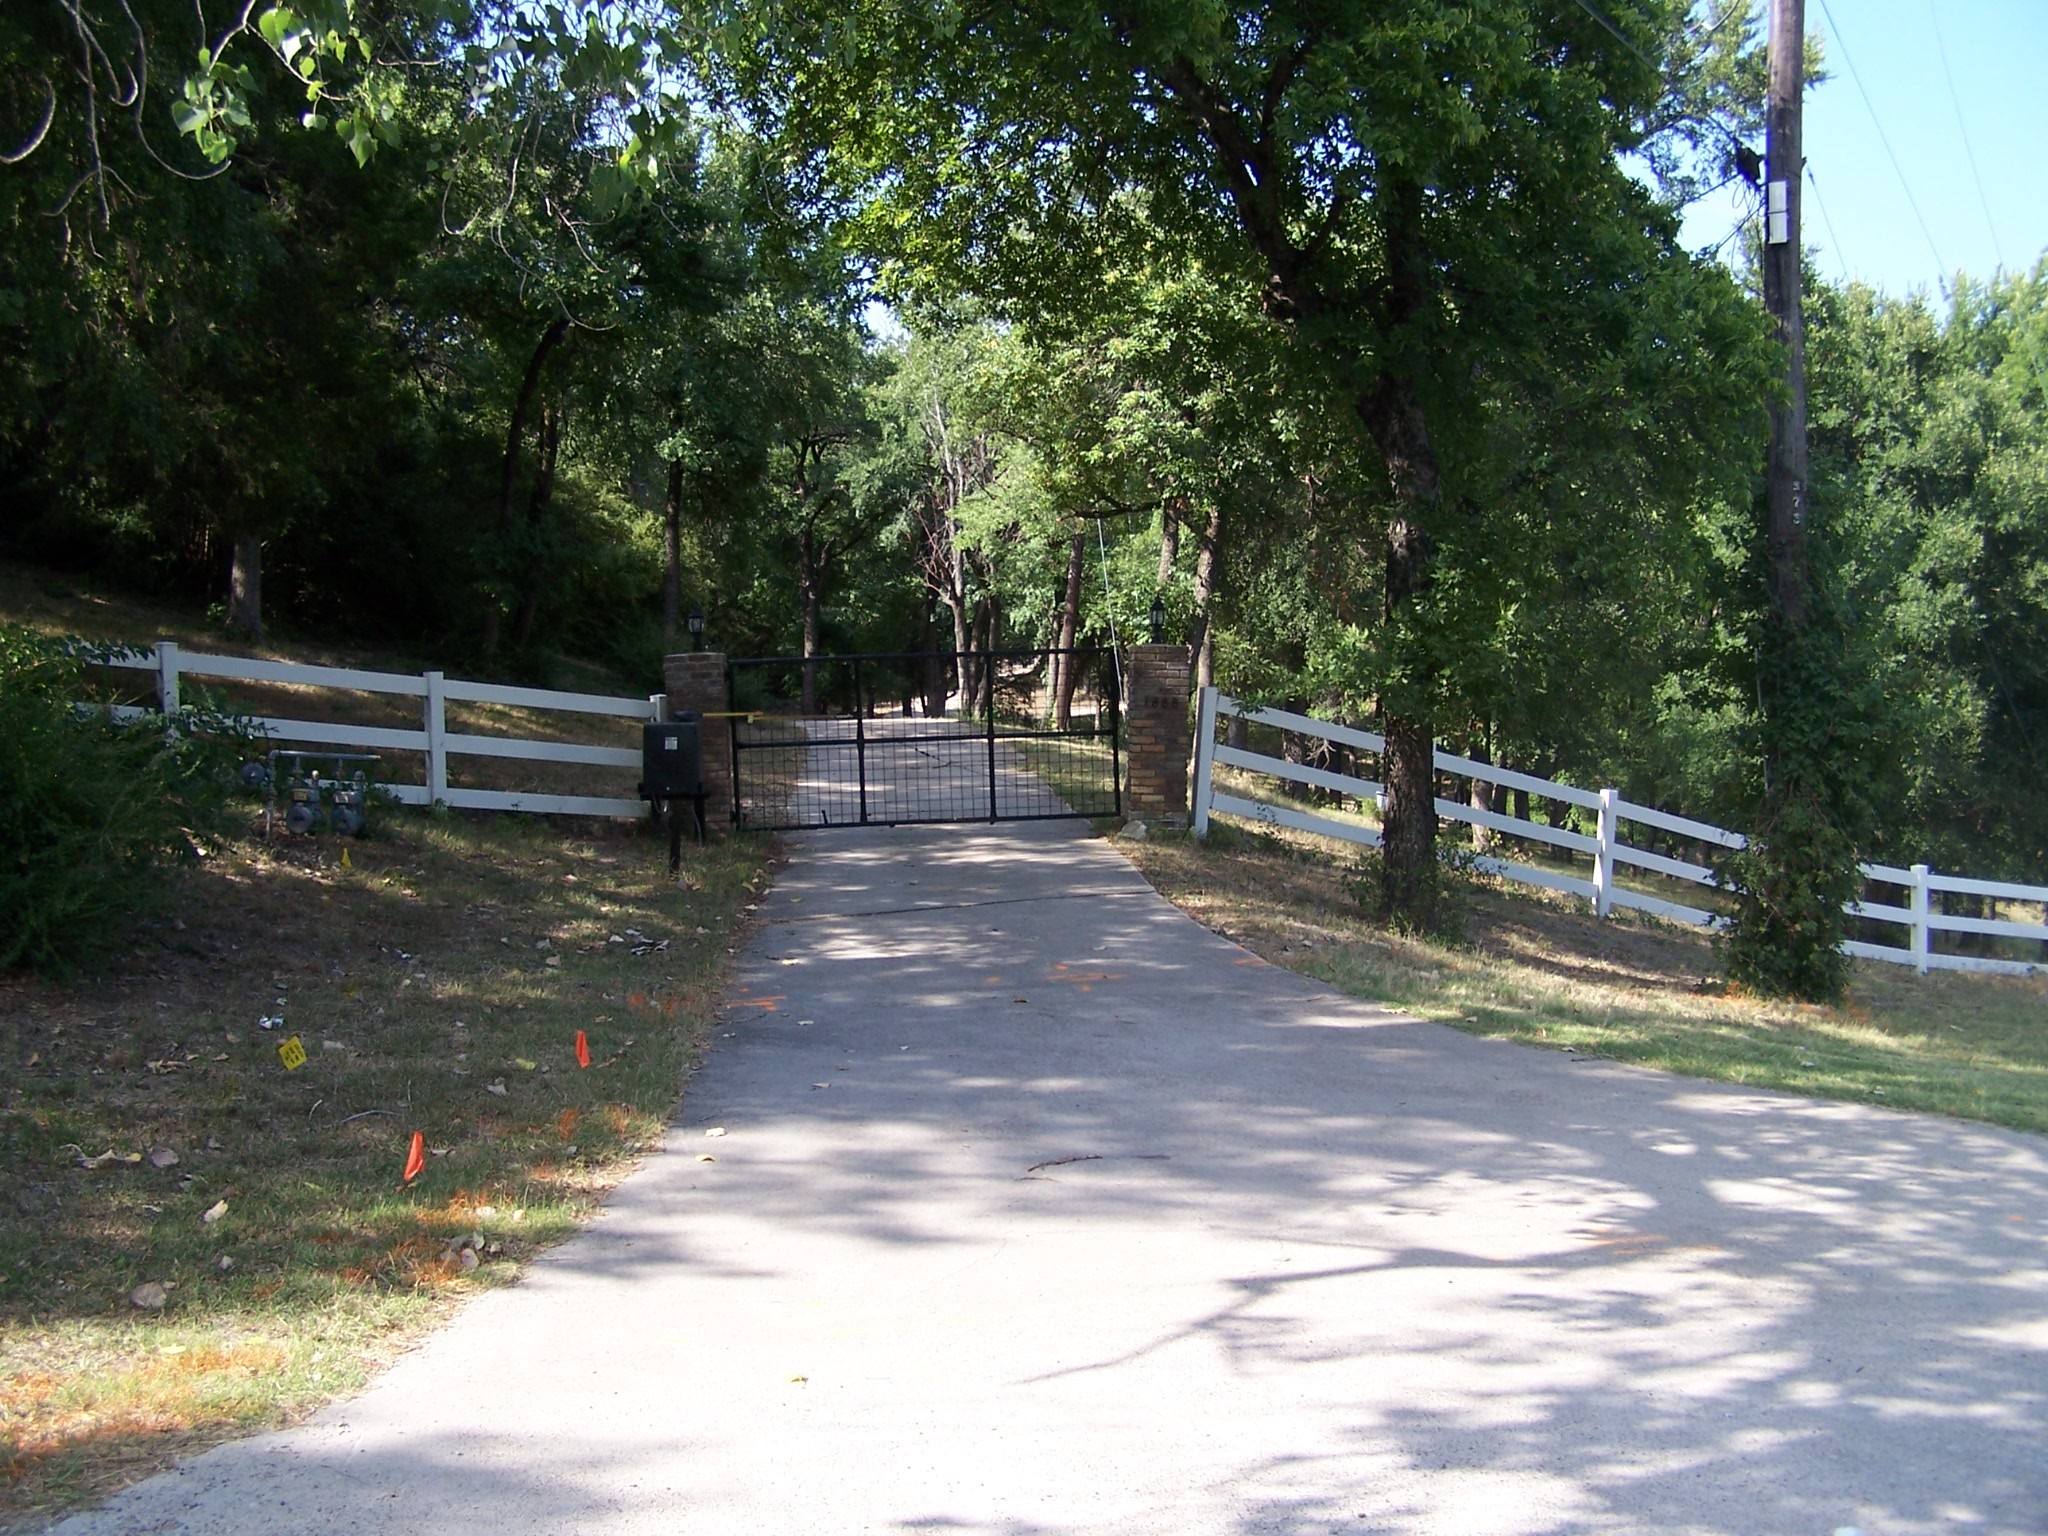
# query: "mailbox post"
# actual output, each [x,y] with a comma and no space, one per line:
[672,769]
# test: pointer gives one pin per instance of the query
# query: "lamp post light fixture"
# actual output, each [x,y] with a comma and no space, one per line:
[1158,620]
[696,623]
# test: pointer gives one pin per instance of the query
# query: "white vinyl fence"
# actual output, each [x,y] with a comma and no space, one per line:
[1606,847]
[433,740]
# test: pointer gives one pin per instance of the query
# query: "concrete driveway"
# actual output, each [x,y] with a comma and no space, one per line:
[1040,1209]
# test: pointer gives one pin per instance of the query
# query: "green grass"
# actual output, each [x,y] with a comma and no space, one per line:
[1079,769]
[417,980]
[1547,973]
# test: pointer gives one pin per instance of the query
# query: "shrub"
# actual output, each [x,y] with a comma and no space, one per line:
[92,812]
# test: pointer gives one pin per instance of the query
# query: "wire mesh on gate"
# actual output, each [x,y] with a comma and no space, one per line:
[907,737]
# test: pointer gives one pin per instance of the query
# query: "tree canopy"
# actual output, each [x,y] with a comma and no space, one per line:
[1361,335]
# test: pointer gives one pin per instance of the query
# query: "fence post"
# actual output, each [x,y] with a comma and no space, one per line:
[1205,759]
[436,723]
[1603,861]
[167,677]
[1920,933]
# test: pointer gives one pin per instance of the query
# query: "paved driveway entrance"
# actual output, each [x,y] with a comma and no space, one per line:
[1039,1209]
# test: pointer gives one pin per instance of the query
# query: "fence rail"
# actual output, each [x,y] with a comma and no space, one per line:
[432,740]
[1605,846]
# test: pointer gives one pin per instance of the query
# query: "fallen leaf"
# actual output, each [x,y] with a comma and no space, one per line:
[110,1158]
[523,1064]
[498,1088]
[214,1212]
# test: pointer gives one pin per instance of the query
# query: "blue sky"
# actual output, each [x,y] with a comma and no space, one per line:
[1997,54]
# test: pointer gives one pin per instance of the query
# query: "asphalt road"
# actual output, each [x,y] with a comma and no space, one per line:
[1040,1209]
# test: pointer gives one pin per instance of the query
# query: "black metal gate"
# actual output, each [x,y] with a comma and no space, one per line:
[895,738]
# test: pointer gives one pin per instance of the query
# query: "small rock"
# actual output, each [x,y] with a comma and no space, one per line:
[570,1150]
[214,1212]
[213,1144]
[162,1157]
[150,1296]
[1136,831]
[332,1045]
[494,1248]
[468,1259]
[224,1264]
[498,1088]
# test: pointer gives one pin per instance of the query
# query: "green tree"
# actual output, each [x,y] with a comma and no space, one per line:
[1429,199]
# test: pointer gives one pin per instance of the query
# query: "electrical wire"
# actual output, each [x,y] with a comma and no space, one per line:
[1116,645]
[1620,36]
[1877,123]
[1970,154]
[1840,260]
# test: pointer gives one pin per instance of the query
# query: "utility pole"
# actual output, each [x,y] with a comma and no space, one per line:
[1784,165]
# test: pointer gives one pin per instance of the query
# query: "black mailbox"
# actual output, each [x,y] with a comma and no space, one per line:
[672,758]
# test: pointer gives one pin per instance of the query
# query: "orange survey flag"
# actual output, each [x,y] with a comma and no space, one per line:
[582,1049]
[416,1157]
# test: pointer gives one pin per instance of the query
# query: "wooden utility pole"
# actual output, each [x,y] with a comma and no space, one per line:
[1783,166]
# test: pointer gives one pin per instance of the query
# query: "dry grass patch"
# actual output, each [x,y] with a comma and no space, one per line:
[1546,972]
[437,984]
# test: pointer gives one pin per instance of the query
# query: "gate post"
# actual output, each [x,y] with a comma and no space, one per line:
[1157,730]
[696,680]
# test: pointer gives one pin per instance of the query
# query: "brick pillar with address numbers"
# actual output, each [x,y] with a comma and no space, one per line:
[1156,726]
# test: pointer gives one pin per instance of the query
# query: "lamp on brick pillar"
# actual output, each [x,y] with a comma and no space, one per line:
[696,623]
[1158,619]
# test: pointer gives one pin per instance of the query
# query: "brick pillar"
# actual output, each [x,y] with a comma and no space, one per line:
[1156,724]
[696,680]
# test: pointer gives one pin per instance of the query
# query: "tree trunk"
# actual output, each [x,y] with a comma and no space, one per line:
[811,599]
[533,563]
[963,640]
[1482,797]
[1070,628]
[1169,543]
[672,553]
[508,480]
[1208,560]
[1393,414]
[245,587]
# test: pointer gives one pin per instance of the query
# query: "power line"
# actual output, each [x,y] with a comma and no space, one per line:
[1941,47]
[1877,123]
[1841,260]
[1621,36]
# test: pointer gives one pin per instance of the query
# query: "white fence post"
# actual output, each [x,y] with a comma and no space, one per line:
[1919,909]
[167,677]
[436,725]
[1205,759]
[1603,861]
